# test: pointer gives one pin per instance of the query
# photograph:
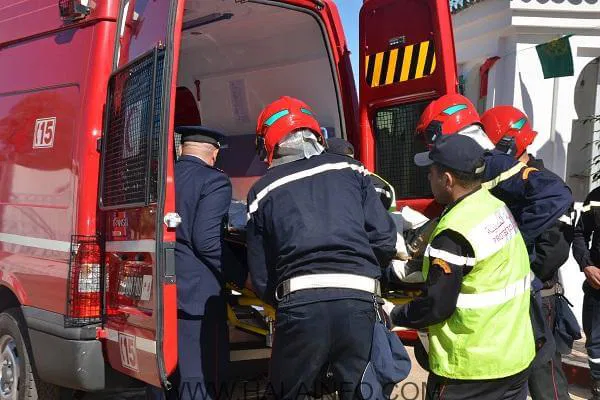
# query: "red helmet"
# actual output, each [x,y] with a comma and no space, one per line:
[501,121]
[281,117]
[446,116]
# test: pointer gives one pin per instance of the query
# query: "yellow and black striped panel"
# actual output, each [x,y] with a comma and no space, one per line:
[402,64]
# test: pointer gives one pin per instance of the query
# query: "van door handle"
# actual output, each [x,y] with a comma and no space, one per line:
[172,220]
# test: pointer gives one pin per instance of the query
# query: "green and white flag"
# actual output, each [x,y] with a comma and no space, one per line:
[556,57]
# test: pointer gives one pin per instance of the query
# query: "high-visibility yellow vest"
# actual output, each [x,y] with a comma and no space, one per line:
[489,335]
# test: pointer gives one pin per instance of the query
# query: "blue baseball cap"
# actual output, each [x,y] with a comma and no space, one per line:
[457,152]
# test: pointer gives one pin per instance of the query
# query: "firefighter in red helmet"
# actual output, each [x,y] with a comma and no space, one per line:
[511,132]
[279,119]
[317,235]
[509,128]
[536,198]
[450,114]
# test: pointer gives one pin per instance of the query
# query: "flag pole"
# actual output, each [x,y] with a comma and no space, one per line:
[553,136]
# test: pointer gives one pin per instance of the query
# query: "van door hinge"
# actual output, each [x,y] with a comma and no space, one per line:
[319,3]
[172,220]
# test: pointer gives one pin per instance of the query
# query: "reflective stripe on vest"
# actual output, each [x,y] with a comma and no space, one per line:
[449,257]
[494,298]
[489,335]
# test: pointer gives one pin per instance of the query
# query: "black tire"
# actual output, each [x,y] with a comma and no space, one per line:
[14,344]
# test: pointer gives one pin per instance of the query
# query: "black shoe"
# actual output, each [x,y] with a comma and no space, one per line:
[595,390]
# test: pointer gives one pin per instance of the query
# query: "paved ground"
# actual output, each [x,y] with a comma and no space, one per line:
[418,377]
[411,389]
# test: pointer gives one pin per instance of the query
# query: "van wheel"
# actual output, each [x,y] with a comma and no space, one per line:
[18,380]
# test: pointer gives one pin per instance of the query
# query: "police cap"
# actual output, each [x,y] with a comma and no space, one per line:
[201,134]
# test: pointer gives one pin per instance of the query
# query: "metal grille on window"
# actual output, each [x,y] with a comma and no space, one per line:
[396,145]
[132,133]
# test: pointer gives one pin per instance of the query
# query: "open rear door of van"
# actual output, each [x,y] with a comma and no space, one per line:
[137,193]
[407,59]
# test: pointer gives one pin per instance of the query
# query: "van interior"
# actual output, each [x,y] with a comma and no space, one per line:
[236,57]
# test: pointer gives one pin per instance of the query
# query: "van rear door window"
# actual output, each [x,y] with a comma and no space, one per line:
[131,141]
[396,145]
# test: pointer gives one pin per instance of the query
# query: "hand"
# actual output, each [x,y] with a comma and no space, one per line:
[399,268]
[249,284]
[401,250]
[388,307]
[592,275]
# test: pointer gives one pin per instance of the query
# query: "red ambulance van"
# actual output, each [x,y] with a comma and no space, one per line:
[90,92]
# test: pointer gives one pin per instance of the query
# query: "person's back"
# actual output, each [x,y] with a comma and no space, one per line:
[536,197]
[386,191]
[312,212]
[198,261]
[316,235]
[203,195]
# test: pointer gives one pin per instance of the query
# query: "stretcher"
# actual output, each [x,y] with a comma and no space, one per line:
[245,311]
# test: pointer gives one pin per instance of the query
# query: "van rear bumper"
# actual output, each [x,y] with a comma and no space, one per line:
[67,357]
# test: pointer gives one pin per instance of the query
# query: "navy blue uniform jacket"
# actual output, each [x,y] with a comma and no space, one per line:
[314,216]
[202,198]
[537,198]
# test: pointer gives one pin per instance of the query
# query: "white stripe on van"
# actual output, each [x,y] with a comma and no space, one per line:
[131,246]
[142,344]
[30,241]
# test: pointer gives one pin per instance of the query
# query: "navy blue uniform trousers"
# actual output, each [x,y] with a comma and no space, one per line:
[312,339]
[548,381]
[510,388]
[591,327]
[203,351]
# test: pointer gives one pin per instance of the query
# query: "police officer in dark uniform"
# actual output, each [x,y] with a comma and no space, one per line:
[588,258]
[203,197]
[317,235]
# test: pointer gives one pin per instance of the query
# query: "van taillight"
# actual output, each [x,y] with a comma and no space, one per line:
[73,10]
[84,296]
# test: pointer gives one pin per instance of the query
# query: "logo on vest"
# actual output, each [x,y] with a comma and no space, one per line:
[494,232]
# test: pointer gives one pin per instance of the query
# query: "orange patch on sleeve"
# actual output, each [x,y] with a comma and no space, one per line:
[443,265]
[527,171]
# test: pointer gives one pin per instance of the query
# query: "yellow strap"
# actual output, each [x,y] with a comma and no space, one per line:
[527,171]
[489,185]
